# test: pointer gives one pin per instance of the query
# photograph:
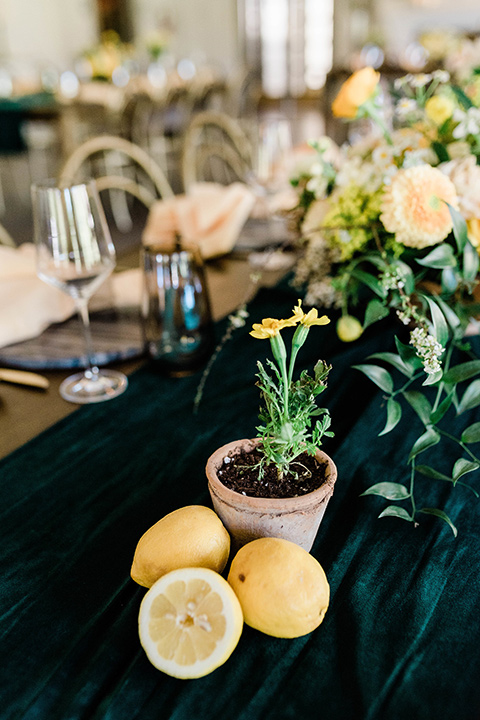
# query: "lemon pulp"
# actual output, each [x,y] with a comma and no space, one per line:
[190,622]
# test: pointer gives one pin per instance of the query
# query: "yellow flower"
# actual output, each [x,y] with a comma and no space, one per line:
[473,231]
[438,109]
[269,327]
[359,88]
[412,206]
[310,318]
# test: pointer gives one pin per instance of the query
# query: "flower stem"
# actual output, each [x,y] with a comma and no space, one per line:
[280,355]
[369,109]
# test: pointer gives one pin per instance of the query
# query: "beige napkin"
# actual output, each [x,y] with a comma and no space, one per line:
[28,305]
[210,215]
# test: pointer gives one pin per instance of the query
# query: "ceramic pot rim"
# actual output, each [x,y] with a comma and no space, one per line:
[261,505]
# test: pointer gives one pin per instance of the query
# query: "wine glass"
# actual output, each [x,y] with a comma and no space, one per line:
[75,254]
[272,148]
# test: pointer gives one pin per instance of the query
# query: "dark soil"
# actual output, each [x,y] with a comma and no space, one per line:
[237,473]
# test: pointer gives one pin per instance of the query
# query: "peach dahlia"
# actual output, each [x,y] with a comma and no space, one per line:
[414,206]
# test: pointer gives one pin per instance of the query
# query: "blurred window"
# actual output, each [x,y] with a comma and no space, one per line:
[291,41]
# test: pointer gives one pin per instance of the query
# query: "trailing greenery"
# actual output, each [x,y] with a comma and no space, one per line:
[422,374]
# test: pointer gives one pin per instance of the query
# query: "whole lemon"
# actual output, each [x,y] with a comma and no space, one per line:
[283,590]
[192,536]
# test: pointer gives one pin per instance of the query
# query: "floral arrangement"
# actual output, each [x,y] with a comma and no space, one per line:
[292,423]
[391,223]
[103,59]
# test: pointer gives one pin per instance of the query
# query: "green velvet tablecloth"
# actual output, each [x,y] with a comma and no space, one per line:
[13,113]
[400,641]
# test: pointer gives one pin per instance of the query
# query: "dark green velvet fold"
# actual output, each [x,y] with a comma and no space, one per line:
[400,641]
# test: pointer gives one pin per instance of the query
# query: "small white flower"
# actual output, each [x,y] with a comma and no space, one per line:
[427,348]
[382,157]
[405,107]
[441,75]
[403,317]
[468,123]
[420,80]
[392,279]
[318,186]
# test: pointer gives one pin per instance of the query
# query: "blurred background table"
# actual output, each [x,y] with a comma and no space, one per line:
[25,412]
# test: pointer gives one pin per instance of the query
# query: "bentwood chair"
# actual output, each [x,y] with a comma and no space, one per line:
[216,149]
[118,166]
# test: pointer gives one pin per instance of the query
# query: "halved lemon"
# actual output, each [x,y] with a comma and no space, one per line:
[190,622]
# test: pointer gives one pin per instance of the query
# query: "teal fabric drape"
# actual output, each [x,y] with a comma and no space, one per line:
[400,640]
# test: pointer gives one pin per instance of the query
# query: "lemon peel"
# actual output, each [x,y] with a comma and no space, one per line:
[192,536]
[282,588]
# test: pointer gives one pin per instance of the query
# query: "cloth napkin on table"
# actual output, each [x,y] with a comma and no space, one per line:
[210,215]
[28,305]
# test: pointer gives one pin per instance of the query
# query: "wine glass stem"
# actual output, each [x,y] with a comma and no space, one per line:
[91,369]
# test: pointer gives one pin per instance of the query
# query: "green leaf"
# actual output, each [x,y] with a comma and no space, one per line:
[450,280]
[395,360]
[471,434]
[388,490]
[440,327]
[432,473]
[441,151]
[440,514]
[459,228]
[420,404]
[394,511]
[471,397]
[461,372]
[376,260]
[462,467]
[375,311]
[462,97]
[470,262]
[429,438]
[394,414]
[407,275]
[378,375]
[408,354]
[438,414]
[441,257]
[433,378]
[370,281]
[450,314]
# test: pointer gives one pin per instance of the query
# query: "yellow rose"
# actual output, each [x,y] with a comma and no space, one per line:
[473,232]
[439,109]
[354,92]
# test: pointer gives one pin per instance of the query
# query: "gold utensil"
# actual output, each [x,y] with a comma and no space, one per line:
[22,377]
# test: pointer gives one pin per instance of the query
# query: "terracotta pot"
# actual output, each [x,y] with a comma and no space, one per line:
[247,518]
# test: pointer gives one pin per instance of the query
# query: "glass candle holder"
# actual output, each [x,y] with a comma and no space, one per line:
[178,325]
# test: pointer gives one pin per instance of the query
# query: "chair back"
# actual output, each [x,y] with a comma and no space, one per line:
[124,166]
[215,149]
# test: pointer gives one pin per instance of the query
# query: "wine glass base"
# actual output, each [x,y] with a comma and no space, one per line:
[87,387]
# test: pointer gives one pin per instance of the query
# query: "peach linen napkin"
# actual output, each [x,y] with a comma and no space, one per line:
[28,305]
[210,215]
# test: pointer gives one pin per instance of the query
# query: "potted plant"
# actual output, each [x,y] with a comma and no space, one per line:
[278,484]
